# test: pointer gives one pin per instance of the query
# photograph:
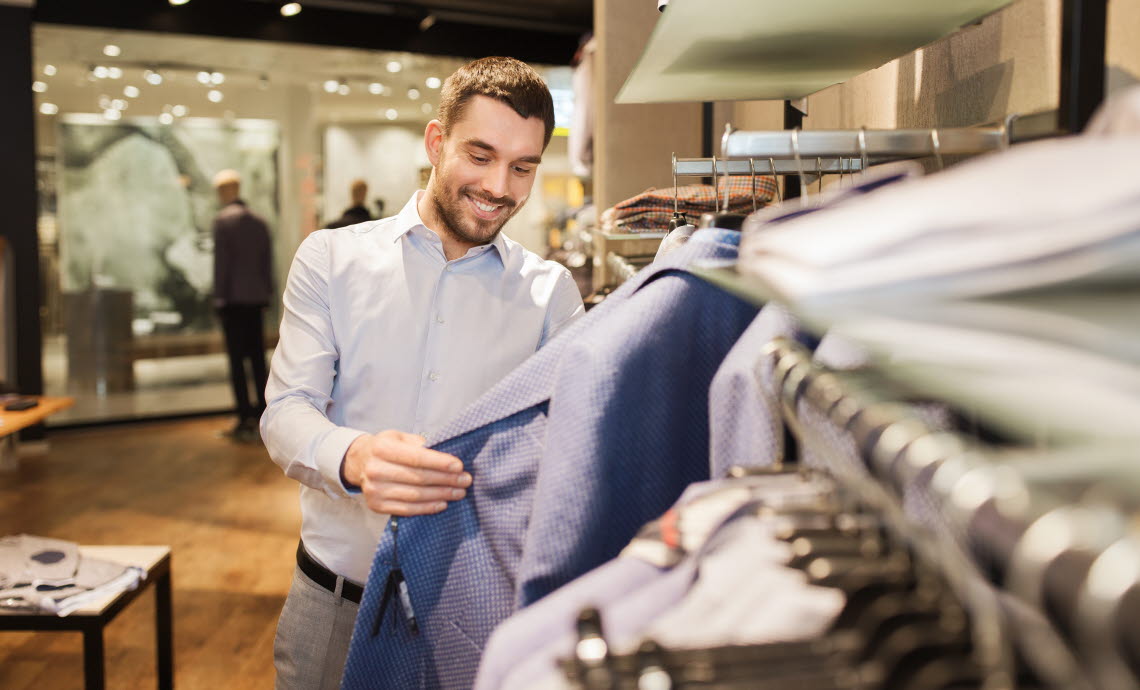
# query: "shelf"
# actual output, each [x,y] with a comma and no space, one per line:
[719,50]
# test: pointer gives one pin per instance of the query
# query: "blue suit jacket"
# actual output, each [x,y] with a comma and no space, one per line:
[594,435]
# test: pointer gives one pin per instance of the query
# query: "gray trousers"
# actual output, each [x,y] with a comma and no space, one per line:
[313,634]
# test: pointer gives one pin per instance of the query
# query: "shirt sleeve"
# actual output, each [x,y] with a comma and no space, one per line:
[295,427]
[565,306]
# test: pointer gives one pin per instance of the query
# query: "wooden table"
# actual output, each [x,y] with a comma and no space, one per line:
[91,619]
[11,422]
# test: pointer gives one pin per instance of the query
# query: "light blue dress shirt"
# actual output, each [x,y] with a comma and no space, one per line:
[379,332]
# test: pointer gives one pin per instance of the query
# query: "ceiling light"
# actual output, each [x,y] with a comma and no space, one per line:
[153,78]
[414,94]
[166,118]
[343,89]
[215,96]
[290,9]
[391,114]
[331,85]
[114,72]
[432,82]
[394,66]
[203,77]
[99,71]
[39,86]
[105,102]
[376,88]
[179,111]
[49,108]
[112,114]
[178,2]
[217,78]
[112,50]
[131,91]
[49,70]
[119,104]
[427,108]
[427,22]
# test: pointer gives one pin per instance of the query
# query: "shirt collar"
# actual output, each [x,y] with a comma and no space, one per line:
[408,221]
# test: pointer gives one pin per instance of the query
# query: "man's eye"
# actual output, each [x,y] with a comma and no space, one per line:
[523,171]
[480,159]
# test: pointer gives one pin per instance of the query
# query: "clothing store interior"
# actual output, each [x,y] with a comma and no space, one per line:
[811,359]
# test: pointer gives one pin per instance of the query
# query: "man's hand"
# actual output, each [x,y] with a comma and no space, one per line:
[398,476]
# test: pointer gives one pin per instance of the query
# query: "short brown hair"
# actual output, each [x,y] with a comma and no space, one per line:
[506,80]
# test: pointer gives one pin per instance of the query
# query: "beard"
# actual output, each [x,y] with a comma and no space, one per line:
[453,210]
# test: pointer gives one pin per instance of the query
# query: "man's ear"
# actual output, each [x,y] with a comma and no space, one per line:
[433,141]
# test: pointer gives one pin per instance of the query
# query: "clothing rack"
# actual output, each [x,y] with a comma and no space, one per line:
[1071,561]
[867,146]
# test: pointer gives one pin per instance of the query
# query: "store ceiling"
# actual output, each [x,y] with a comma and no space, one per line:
[254,74]
[540,31]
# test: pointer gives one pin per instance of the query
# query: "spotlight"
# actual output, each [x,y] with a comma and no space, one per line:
[203,77]
[433,82]
[166,118]
[119,104]
[105,102]
[391,114]
[217,78]
[343,89]
[427,22]
[176,3]
[413,94]
[152,77]
[131,91]
[39,86]
[179,111]
[394,66]
[112,50]
[49,70]
[100,71]
[49,108]
[112,114]
[331,86]
[290,9]
[427,108]
[376,88]
[215,96]
[114,73]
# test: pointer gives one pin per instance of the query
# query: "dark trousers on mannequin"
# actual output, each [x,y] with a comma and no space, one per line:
[242,325]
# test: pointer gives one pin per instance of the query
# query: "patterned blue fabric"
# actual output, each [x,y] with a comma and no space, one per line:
[599,432]
[744,418]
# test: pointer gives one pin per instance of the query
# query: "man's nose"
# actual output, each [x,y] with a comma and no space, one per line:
[496,181]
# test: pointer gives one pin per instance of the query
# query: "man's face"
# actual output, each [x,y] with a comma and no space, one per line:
[485,169]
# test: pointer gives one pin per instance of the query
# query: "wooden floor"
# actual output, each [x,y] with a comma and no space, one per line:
[229,515]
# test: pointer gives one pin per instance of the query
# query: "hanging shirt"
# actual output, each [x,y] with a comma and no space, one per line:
[381,331]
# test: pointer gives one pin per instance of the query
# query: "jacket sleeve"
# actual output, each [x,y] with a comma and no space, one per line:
[295,427]
[221,262]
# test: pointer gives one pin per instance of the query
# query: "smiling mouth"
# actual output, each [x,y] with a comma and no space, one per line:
[485,210]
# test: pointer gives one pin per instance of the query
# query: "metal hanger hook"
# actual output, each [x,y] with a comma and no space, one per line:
[936,148]
[776,179]
[752,181]
[861,139]
[716,187]
[676,203]
[799,163]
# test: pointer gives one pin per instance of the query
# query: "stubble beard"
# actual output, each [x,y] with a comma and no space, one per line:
[453,212]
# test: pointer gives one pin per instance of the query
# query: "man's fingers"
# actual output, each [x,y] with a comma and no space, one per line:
[403,509]
[417,456]
[414,439]
[418,494]
[379,472]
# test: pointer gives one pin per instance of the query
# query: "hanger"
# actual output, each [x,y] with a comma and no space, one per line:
[678,218]
[721,219]
[936,148]
[779,194]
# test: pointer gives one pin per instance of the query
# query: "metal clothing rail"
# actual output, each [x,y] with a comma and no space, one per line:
[863,145]
[1071,556]
[621,267]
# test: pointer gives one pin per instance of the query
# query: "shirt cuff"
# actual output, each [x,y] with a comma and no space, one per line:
[331,453]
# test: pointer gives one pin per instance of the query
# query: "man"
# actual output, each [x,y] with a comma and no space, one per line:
[358,212]
[243,286]
[392,329]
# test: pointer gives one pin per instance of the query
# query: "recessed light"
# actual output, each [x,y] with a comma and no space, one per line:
[39,86]
[131,91]
[217,78]
[49,108]
[99,71]
[49,70]
[178,2]
[433,82]
[414,94]
[376,88]
[331,85]
[427,108]
[153,78]
[178,111]
[112,114]
[166,118]
[112,50]
[115,72]
[215,96]
[394,66]
[203,77]
[290,9]
[391,114]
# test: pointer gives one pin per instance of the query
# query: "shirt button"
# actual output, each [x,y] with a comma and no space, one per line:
[434,376]
[438,318]
[447,268]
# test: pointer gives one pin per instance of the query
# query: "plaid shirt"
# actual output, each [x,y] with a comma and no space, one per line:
[701,198]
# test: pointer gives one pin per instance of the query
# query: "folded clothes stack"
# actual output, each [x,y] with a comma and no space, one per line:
[51,576]
[652,210]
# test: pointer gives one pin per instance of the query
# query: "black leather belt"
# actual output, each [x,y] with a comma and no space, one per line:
[325,577]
